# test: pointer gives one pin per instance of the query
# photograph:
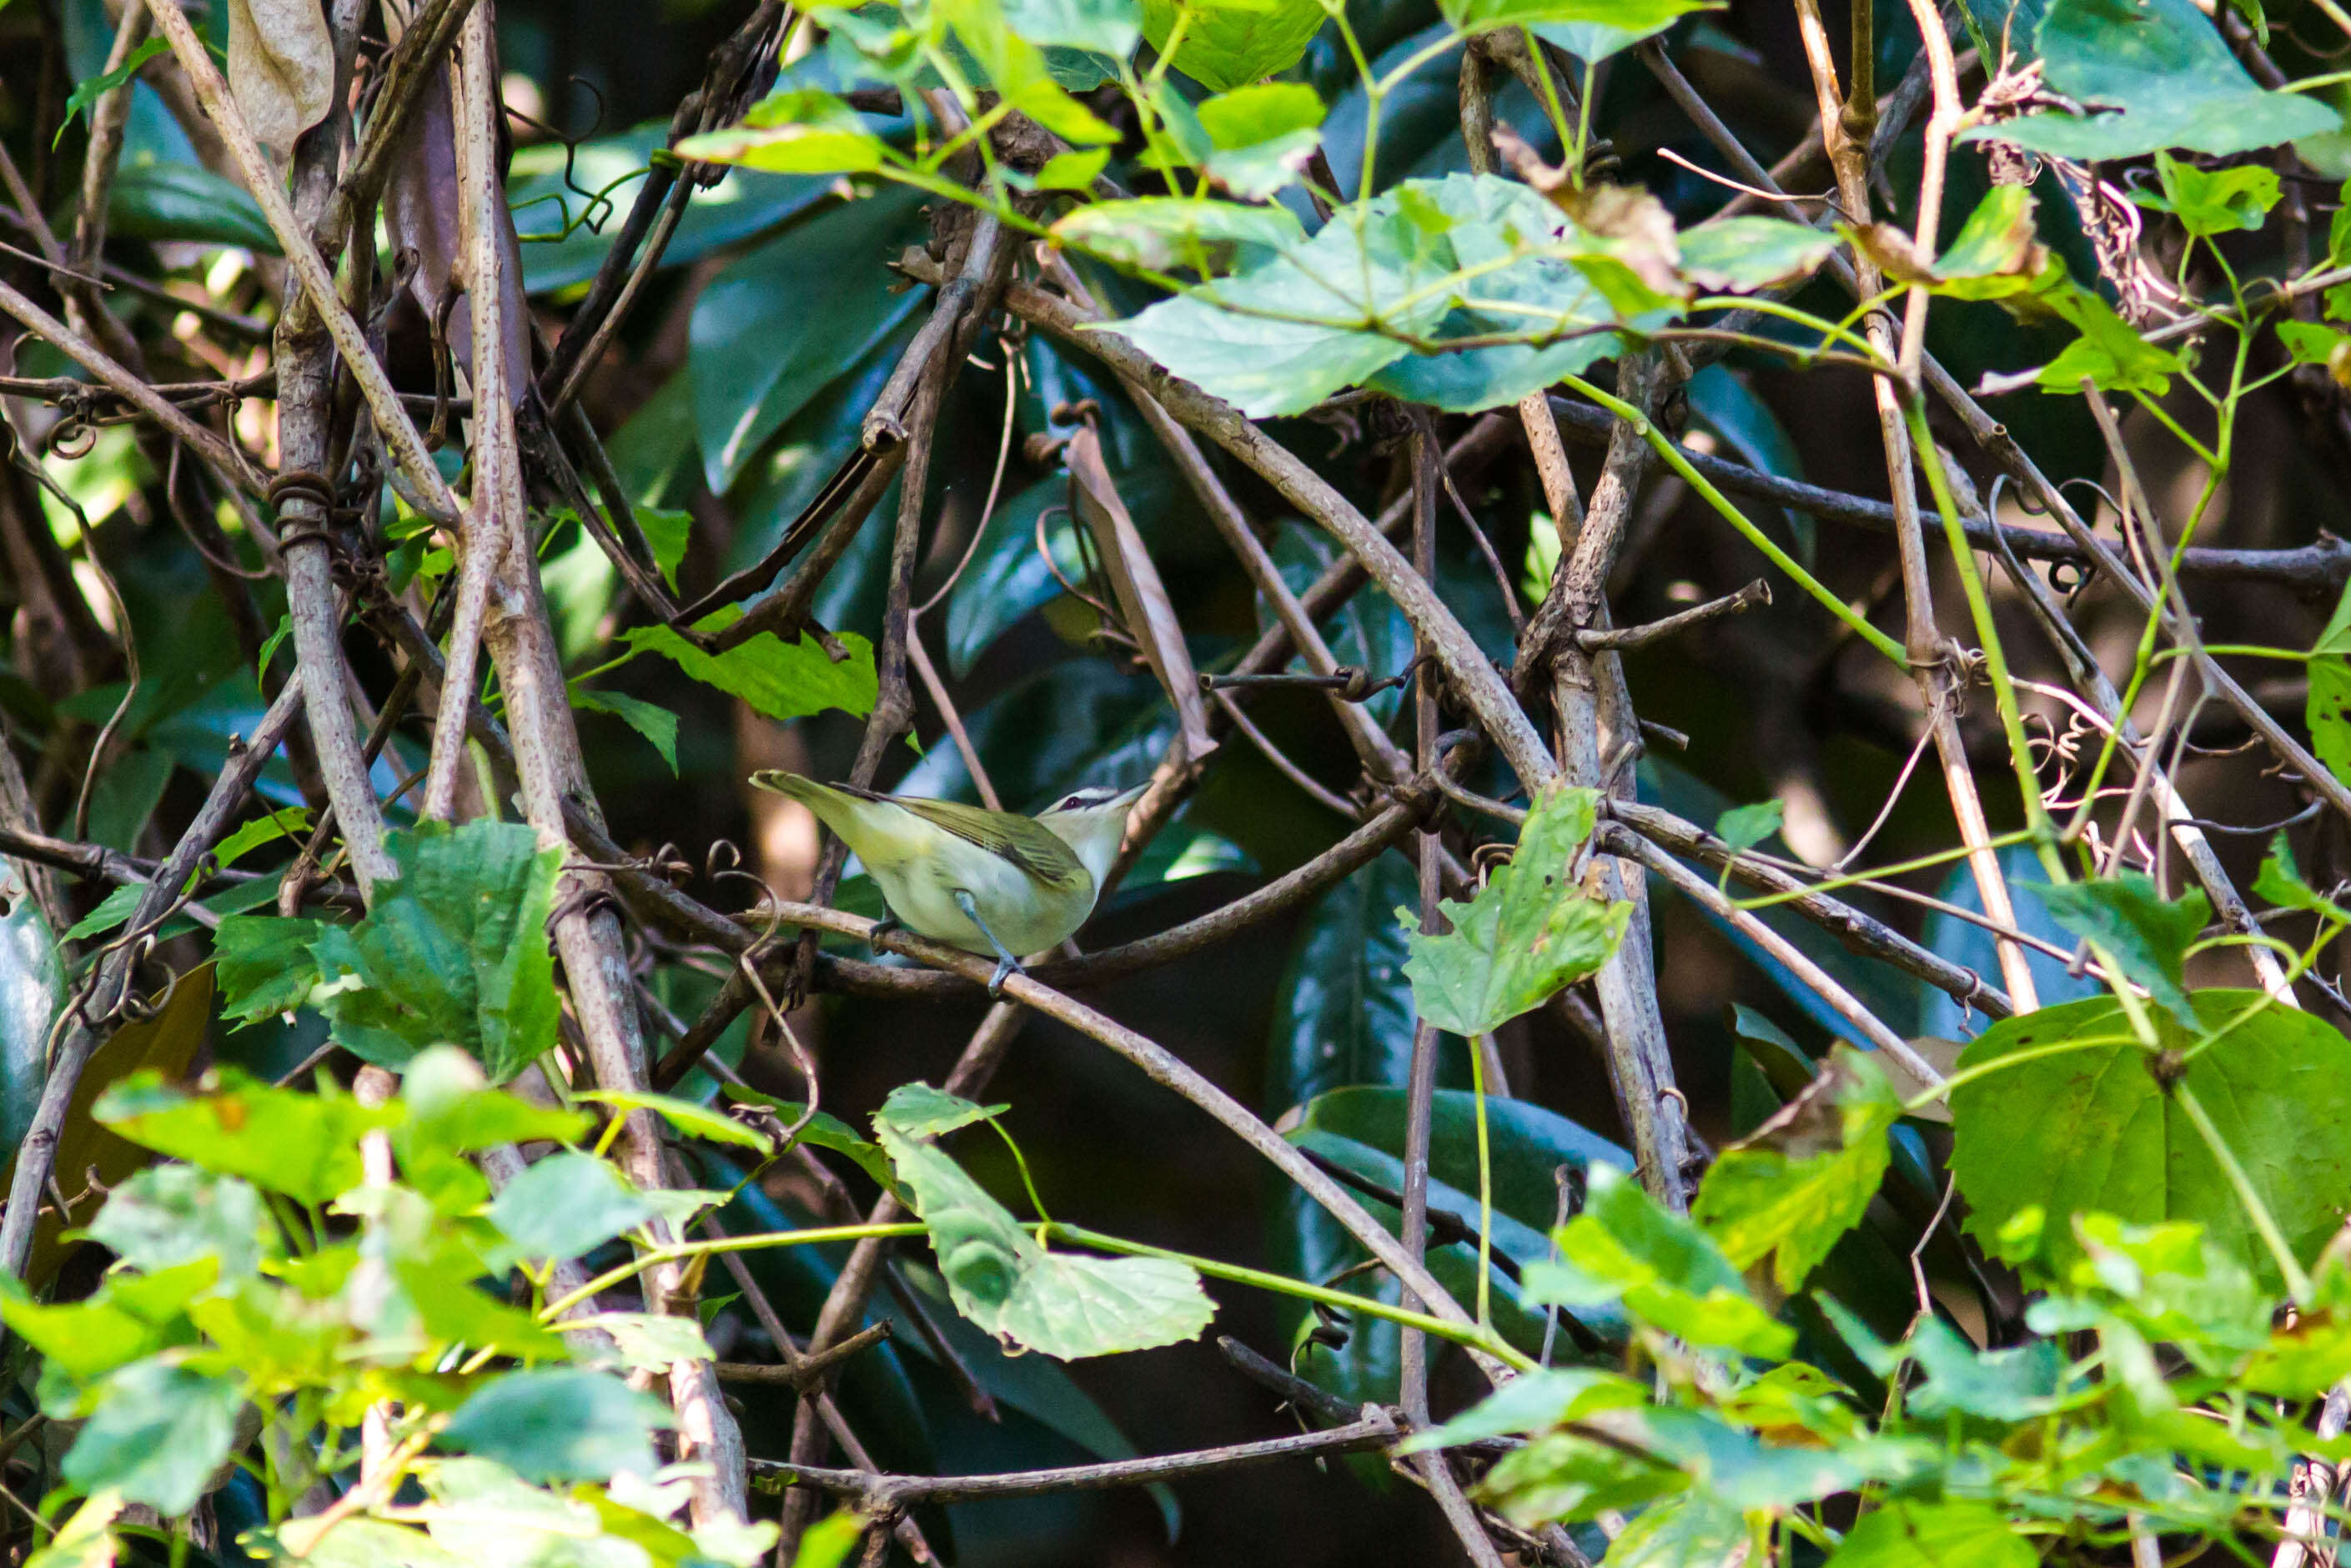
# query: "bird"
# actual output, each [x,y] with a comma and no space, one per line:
[986,882]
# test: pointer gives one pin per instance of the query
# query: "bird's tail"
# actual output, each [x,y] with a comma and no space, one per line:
[836,807]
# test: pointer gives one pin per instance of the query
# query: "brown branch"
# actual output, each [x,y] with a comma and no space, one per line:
[1619,639]
[807,1372]
[885,1495]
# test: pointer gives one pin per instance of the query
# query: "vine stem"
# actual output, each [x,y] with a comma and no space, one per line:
[2297,1282]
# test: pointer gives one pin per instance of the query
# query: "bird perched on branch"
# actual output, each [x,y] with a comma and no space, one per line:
[986,882]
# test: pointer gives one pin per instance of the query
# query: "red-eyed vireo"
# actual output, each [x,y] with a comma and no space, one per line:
[986,882]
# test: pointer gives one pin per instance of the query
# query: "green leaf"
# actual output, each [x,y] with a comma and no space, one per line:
[1624,26]
[1232,43]
[1749,253]
[157,1434]
[2147,933]
[1994,253]
[455,951]
[668,530]
[653,721]
[559,1425]
[1744,827]
[1072,170]
[2110,351]
[1665,1269]
[1640,18]
[112,910]
[824,1130]
[2281,881]
[1263,134]
[1162,233]
[452,1110]
[1682,1530]
[1533,1402]
[2020,1383]
[1904,1533]
[185,202]
[568,1203]
[921,1112]
[263,963]
[830,1540]
[131,1316]
[642,1342]
[1806,1176]
[2079,1121]
[1529,932]
[305,1146]
[32,989]
[793,130]
[2327,709]
[1000,1278]
[170,1214]
[2313,343]
[2213,202]
[695,1121]
[2165,67]
[784,682]
[85,1541]
[1110,28]
[286,823]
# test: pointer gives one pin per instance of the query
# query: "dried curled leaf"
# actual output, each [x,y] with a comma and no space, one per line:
[281,67]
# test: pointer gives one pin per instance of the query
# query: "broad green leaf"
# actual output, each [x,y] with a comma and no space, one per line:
[112,911]
[289,823]
[185,202]
[1905,1533]
[455,951]
[1529,932]
[2083,1122]
[1594,32]
[1162,233]
[1020,71]
[921,1112]
[559,1425]
[2327,709]
[668,530]
[2313,342]
[170,1214]
[263,964]
[452,1110]
[2213,202]
[1994,253]
[2020,1383]
[1806,1176]
[1749,253]
[1227,44]
[157,1434]
[1640,18]
[784,682]
[305,1146]
[658,724]
[1561,1476]
[2147,933]
[1665,1269]
[1529,273]
[830,1540]
[2165,67]
[824,1130]
[752,363]
[566,1204]
[1074,169]
[131,1317]
[449,1313]
[694,1120]
[1000,1278]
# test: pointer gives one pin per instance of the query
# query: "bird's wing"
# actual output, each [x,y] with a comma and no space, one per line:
[1023,841]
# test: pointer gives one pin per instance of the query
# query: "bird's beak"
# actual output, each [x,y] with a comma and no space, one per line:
[1125,802]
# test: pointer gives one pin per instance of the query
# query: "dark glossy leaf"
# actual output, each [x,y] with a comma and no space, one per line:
[31,988]
[751,366]
[2091,1127]
[455,951]
[185,202]
[1344,1013]
[2147,933]
[559,1425]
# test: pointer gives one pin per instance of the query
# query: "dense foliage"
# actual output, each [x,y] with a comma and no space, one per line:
[1847,1068]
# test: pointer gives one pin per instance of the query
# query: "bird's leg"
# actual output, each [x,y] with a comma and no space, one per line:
[881,928]
[1006,964]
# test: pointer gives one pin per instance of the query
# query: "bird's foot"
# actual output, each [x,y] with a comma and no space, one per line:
[881,928]
[1005,969]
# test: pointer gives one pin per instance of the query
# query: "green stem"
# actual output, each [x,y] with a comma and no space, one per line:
[814,1236]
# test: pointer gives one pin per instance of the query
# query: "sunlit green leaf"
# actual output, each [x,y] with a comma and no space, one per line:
[559,1425]
[1903,1533]
[263,963]
[1227,44]
[782,682]
[568,1203]
[2147,934]
[157,1436]
[305,1146]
